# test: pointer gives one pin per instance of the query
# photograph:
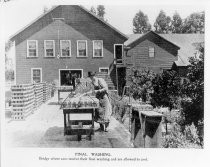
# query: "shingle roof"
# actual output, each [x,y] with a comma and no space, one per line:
[186,42]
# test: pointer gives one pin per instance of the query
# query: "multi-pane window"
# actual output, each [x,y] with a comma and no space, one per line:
[65,48]
[97,48]
[82,48]
[36,75]
[49,48]
[151,52]
[32,48]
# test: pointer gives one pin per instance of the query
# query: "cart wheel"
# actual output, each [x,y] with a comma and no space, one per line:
[79,137]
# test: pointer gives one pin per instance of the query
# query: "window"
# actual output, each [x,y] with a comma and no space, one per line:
[82,48]
[104,70]
[97,48]
[49,46]
[151,52]
[32,48]
[65,48]
[36,75]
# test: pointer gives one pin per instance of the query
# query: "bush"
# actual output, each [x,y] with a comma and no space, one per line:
[141,84]
[187,139]
[166,88]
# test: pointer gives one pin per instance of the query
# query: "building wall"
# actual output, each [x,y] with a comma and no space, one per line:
[138,57]
[50,66]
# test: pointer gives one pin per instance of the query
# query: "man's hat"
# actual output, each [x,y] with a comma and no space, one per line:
[91,73]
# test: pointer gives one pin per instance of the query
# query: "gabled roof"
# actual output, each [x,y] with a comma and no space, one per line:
[186,42]
[139,37]
[46,18]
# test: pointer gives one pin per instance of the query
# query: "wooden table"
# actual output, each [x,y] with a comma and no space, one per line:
[79,121]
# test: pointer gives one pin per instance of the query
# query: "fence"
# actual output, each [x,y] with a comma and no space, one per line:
[26,98]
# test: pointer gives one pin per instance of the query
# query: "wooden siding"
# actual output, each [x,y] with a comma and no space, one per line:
[50,66]
[139,57]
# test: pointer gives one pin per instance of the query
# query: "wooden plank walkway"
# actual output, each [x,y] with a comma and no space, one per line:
[44,128]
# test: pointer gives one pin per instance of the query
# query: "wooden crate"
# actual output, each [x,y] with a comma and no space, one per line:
[38,90]
[22,101]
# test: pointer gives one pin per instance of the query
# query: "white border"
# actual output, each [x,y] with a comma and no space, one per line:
[59,70]
[69,48]
[45,48]
[32,74]
[28,48]
[86,48]
[107,68]
[101,48]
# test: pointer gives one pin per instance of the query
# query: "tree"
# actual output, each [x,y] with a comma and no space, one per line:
[194,23]
[162,23]
[141,83]
[193,89]
[176,23]
[45,9]
[101,11]
[166,89]
[141,23]
[93,10]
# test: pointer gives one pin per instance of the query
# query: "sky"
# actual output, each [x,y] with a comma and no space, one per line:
[20,13]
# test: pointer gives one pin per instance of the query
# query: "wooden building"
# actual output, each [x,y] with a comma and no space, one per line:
[67,40]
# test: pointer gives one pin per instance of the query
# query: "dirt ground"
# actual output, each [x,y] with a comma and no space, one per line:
[44,128]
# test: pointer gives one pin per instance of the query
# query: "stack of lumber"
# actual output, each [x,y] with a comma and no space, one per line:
[22,101]
[38,90]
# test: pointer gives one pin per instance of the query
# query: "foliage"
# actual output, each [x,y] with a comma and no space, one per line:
[162,23]
[141,23]
[182,139]
[9,75]
[101,11]
[93,10]
[176,23]
[166,88]
[141,86]
[193,89]
[194,23]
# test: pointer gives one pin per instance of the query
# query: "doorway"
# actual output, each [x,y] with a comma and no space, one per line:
[67,77]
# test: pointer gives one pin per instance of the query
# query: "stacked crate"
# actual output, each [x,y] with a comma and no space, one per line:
[38,91]
[47,89]
[22,101]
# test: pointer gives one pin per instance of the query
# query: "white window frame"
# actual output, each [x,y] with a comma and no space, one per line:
[107,68]
[45,53]
[32,74]
[59,70]
[28,48]
[151,52]
[78,48]
[101,48]
[69,48]
[122,52]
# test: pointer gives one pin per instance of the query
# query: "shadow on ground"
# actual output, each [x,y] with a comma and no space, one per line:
[54,137]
